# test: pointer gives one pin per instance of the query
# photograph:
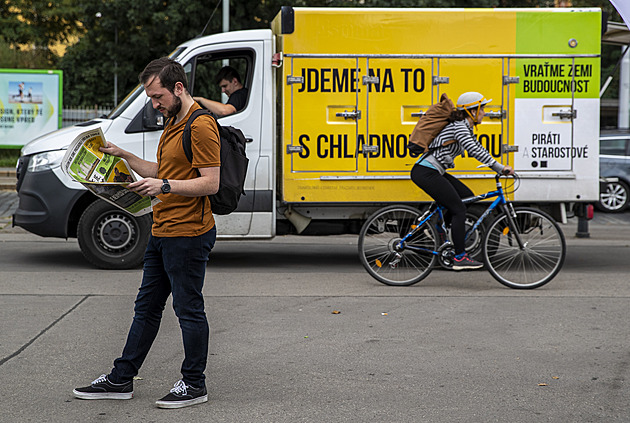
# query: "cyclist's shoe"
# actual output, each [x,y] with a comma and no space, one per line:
[466,263]
[183,395]
[102,388]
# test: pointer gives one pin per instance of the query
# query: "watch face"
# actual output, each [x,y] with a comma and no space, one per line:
[166,187]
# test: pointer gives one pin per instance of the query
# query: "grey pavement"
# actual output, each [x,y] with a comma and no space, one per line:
[8,202]
[300,333]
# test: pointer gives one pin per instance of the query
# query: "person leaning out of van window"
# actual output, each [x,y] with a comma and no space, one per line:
[230,83]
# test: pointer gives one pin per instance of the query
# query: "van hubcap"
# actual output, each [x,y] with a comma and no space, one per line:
[115,232]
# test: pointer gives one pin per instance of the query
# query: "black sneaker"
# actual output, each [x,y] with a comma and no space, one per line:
[183,395]
[102,388]
[466,263]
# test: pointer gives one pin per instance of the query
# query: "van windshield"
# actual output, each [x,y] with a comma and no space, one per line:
[136,91]
[126,101]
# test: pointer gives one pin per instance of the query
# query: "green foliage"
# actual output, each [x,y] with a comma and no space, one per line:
[129,33]
[13,58]
[28,28]
[9,157]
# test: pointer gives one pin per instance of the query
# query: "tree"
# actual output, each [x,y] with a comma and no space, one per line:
[128,34]
[121,37]
[32,27]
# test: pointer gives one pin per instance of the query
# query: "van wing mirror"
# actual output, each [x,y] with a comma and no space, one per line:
[151,118]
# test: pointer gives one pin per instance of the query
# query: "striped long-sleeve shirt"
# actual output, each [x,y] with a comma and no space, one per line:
[461,132]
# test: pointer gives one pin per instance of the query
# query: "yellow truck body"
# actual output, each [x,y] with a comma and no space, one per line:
[353,83]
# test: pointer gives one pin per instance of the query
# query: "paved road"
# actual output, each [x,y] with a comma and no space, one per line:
[455,348]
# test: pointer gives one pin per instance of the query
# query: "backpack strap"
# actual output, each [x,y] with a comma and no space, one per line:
[444,144]
[433,149]
[186,137]
[187,145]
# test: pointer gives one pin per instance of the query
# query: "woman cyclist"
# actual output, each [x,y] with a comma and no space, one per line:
[429,172]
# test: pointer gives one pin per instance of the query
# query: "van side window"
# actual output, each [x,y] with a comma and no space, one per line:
[206,69]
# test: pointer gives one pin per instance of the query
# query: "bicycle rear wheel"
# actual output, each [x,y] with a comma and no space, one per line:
[379,237]
[538,262]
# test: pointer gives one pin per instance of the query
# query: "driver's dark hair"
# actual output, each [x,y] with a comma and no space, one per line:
[168,70]
[228,73]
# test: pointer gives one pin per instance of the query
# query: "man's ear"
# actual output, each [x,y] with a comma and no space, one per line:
[179,88]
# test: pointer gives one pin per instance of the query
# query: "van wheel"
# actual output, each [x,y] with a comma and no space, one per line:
[111,238]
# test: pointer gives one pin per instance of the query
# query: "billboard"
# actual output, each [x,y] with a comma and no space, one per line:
[30,104]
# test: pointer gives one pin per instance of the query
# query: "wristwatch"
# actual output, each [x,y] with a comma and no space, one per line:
[166,187]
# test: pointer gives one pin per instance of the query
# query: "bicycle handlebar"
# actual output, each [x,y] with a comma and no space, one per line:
[502,173]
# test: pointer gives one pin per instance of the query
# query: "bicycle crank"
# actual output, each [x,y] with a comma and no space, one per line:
[445,255]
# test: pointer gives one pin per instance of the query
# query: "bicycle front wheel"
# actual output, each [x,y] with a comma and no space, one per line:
[537,262]
[378,251]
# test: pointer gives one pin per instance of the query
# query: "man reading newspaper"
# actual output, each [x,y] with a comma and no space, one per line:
[182,236]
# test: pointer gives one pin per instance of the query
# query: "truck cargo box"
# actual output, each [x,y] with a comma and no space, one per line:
[355,81]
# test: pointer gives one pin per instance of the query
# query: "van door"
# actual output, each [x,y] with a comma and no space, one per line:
[456,76]
[553,127]
[247,59]
[324,102]
[398,93]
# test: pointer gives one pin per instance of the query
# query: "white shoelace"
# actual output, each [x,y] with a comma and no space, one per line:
[101,378]
[180,388]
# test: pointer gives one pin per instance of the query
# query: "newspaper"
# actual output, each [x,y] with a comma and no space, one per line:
[105,175]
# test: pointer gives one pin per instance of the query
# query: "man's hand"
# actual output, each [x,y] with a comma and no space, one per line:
[113,149]
[142,167]
[148,186]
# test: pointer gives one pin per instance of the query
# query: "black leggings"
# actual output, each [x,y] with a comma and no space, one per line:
[448,191]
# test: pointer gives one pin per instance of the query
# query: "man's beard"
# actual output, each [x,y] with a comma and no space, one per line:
[174,109]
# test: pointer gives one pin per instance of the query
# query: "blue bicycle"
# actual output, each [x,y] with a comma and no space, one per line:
[521,247]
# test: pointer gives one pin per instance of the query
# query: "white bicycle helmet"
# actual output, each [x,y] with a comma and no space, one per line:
[472,100]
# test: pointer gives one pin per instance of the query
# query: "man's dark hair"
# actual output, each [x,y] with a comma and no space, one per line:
[168,70]
[228,73]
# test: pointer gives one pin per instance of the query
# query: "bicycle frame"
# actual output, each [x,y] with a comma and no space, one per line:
[500,202]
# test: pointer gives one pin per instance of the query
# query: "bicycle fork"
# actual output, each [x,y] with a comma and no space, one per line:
[513,228]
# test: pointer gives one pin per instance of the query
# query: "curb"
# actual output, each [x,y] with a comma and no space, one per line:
[8,179]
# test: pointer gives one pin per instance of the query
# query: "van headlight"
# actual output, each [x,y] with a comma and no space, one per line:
[46,161]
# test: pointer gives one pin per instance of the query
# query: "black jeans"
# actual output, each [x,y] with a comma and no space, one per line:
[178,266]
[448,191]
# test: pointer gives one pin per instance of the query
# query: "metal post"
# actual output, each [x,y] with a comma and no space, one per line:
[624,93]
[226,28]
[582,228]
[226,15]
[115,65]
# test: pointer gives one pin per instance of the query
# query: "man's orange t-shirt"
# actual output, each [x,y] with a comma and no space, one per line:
[178,215]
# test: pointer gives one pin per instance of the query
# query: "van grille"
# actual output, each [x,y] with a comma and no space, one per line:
[20,170]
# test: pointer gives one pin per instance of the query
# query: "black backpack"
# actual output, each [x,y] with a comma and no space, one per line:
[234,163]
